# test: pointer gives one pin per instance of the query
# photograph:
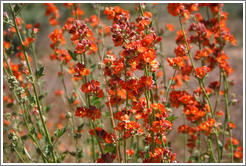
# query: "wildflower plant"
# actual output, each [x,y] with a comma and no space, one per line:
[119,104]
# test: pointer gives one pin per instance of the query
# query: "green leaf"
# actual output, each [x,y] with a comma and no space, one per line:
[48,149]
[77,135]
[107,114]
[80,127]
[39,72]
[9,105]
[150,25]
[172,118]
[16,8]
[71,100]
[169,144]
[58,133]
[68,152]
[47,108]
[154,76]
[73,55]
[30,97]
[93,67]
[9,51]
[220,144]
[79,153]
[96,102]
[42,96]
[109,148]
[168,105]
[24,137]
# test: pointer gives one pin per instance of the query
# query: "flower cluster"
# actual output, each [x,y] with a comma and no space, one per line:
[119,100]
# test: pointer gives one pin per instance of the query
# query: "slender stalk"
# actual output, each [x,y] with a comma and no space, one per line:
[22,160]
[100,147]
[217,95]
[33,84]
[147,95]
[108,98]
[38,80]
[73,120]
[93,145]
[8,23]
[75,10]
[192,62]
[112,121]
[211,150]
[78,93]
[125,155]
[20,9]
[162,66]
[227,115]
[185,141]
[199,80]
[218,147]
[23,107]
[88,104]
[141,9]
[170,84]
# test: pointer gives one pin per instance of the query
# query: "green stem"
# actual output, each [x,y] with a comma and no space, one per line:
[192,62]
[147,95]
[211,150]
[141,9]
[71,110]
[162,66]
[169,86]
[199,80]
[217,94]
[185,141]
[23,107]
[38,80]
[125,155]
[98,141]
[227,115]
[33,84]
[93,145]
[218,147]
[75,10]
[22,160]
[88,104]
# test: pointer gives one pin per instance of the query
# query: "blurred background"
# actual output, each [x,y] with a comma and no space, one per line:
[33,13]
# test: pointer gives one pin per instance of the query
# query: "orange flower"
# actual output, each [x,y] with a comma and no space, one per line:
[149,56]
[231,125]
[201,71]
[58,92]
[170,27]
[92,87]
[57,36]
[110,13]
[80,70]
[28,26]
[147,14]
[219,113]
[161,126]
[53,11]
[91,112]
[130,152]
[39,136]
[101,133]
[174,8]
[176,62]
